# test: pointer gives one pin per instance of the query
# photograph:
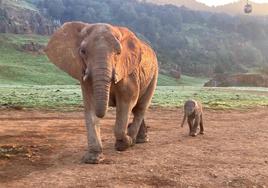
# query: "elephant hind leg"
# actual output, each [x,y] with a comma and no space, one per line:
[134,128]
[138,130]
[142,136]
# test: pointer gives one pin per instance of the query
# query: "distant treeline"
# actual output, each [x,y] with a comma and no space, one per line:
[195,42]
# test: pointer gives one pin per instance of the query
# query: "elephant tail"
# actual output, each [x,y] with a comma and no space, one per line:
[184,118]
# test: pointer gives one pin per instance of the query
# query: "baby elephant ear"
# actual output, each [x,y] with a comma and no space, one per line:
[63,48]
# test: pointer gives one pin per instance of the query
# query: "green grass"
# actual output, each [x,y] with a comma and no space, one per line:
[29,80]
[164,80]
[8,38]
[18,67]
[69,97]
[216,98]
[45,97]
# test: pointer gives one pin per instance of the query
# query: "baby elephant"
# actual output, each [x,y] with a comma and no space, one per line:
[193,112]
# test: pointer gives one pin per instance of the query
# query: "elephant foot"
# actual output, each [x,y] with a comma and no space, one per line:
[122,145]
[93,158]
[142,140]
[193,134]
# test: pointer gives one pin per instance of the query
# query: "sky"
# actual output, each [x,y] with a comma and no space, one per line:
[222,2]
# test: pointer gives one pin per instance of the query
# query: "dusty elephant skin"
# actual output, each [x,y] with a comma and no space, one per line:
[194,113]
[114,68]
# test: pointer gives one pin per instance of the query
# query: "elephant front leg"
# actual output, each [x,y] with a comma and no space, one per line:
[94,154]
[123,141]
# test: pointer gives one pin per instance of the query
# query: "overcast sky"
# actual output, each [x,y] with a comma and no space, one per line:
[221,2]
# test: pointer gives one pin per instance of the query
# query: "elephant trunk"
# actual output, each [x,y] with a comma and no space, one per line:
[101,89]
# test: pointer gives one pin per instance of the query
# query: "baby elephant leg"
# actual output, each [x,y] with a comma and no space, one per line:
[194,129]
[190,123]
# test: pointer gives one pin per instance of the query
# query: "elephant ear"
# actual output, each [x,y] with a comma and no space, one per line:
[130,56]
[63,48]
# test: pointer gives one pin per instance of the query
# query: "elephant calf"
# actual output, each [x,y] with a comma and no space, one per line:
[194,113]
[114,68]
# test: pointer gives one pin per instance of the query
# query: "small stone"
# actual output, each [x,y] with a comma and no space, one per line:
[214,175]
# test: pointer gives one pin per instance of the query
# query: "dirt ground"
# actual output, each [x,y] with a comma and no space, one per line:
[44,149]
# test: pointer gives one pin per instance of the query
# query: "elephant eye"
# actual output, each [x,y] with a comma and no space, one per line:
[82,51]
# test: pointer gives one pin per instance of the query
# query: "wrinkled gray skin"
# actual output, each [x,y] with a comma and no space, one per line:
[194,114]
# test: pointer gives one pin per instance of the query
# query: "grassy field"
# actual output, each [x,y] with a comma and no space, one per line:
[69,97]
[29,80]
[20,67]
[164,80]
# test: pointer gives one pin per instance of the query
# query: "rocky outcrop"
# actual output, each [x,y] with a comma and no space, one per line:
[32,47]
[19,20]
[226,80]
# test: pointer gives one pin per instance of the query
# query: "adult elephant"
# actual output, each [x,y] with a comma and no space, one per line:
[114,68]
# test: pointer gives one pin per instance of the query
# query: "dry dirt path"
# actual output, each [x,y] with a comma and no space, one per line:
[43,149]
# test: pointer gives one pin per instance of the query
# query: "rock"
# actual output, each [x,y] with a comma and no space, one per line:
[24,21]
[33,47]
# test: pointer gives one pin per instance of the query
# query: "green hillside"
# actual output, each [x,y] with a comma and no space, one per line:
[199,43]
[164,80]
[23,67]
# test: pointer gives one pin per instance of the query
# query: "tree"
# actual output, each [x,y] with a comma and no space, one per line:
[55,8]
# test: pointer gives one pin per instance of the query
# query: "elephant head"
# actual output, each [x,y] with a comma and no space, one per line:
[97,54]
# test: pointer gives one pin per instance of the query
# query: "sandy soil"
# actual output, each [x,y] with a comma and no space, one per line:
[44,149]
